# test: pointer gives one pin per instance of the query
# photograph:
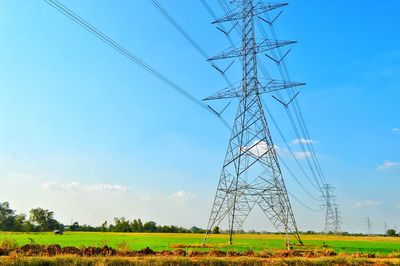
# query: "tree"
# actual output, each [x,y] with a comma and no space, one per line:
[135,226]
[43,220]
[74,227]
[215,230]
[391,232]
[20,223]
[7,217]
[140,226]
[122,225]
[196,229]
[103,226]
[150,227]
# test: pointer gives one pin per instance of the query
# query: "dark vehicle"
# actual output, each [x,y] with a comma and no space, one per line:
[58,232]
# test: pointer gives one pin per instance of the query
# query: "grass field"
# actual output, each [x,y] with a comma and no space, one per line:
[242,242]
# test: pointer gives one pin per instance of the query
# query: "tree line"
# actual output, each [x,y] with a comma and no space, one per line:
[42,220]
[136,225]
[38,220]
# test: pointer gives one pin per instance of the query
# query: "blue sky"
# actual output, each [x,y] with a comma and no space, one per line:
[90,135]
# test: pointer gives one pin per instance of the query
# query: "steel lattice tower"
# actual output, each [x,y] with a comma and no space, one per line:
[332,216]
[337,220]
[251,174]
[369,230]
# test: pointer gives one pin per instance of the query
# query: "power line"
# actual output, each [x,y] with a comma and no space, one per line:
[122,50]
[288,112]
[228,11]
[235,194]
[283,69]
[220,25]
[288,146]
[303,204]
[295,178]
[189,38]
[164,12]
[226,8]
[108,40]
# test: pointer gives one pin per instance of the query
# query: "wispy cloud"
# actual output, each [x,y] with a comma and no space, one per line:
[76,186]
[388,165]
[396,130]
[297,154]
[367,203]
[262,147]
[303,141]
[21,176]
[257,150]
[302,154]
[182,196]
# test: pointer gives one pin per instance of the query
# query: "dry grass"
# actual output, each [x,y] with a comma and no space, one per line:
[180,245]
[212,261]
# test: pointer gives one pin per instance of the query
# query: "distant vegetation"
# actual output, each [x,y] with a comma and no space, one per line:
[42,220]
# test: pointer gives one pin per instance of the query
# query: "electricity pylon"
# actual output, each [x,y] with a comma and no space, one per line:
[251,174]
[369,230]
[332,216]
[337,220]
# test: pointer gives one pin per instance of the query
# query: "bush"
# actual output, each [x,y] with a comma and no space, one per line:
[391,232]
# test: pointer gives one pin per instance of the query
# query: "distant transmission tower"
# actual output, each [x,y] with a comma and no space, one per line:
[337,220]
[251,174]
[332,217]
[369,231]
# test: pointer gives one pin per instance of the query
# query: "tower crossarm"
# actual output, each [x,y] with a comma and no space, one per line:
[258,8]
[260,48]
[267,86]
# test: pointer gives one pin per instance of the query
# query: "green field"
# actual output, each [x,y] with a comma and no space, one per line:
[242,242]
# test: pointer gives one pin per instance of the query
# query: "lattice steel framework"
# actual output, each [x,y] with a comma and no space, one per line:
[251,174]
[332,216]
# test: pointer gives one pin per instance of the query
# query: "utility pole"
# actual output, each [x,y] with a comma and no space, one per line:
[251,174]
[385,228]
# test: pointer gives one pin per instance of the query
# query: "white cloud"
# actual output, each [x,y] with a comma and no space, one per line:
[146,198]
[297,154]
[302,155]
[71,201]
[367,203]
[303,141]
[19,176]
[258,150]
[76,186]
[50,185]
[106,187]
[181,196]
[262,147]
[396,129]
[388,165]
